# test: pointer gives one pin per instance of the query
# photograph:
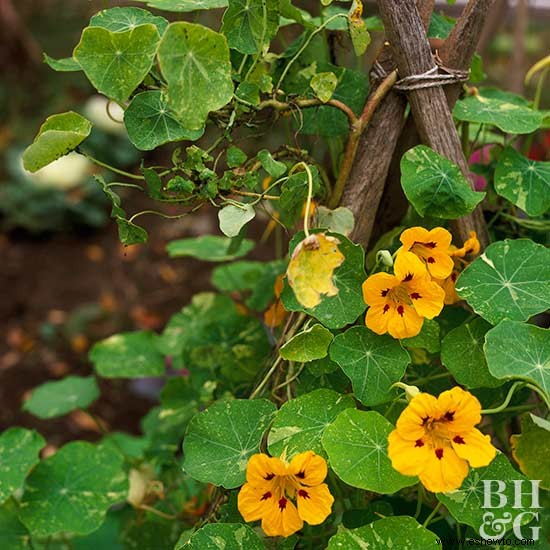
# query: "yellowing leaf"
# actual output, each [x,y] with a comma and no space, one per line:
[311,268]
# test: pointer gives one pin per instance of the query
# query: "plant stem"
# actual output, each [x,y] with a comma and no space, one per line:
[507,399]
[420,498]
[432,515]
[166,216]
[266,378]
[354,136]
[111,168]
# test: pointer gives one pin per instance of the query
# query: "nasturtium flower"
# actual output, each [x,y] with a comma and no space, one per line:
[435,439]
[400,302]
[432,247]
[470,248]
[276,313]
[284,495]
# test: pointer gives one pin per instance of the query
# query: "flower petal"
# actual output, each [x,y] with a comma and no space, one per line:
[408,457]
[376,287]
[439,264]
[460,409]
[444,470]
[404,321]
[262,468]
[281,518]
[411,423]
[414,235]
[427,297]
[254,502]
[408,267]
[377,318]
[314,503]
[474,447]
[308,468]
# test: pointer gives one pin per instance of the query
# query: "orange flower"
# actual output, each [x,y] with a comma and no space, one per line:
[398,303]
[470,248]
[435,439]
[270,485]
[276,313]
[432,247]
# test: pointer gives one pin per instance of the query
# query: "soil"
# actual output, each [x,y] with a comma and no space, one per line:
[63,292]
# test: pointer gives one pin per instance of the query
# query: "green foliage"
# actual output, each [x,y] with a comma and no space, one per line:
[209,248]
[435,186]
[236,535]
[220,440]
[524,182]
[19,450]
[373,363]
[307,345]
[59,135]
[508,281]
[234,218]
[127,355]
[86,481]
[194,60]
[58,398]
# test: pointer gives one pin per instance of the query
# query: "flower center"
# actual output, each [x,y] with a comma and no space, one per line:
[398,295]
[424,250]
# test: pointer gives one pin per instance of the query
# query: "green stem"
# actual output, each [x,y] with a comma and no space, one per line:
[109,167]
[421,381]
[131,185]
[266,378]
[507,399]
[432,515]
[166,216]
[541,393]
[420,498]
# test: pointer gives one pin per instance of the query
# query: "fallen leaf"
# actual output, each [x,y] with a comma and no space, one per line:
[311,268]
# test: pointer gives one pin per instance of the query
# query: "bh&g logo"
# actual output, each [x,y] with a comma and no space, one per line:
[526,498]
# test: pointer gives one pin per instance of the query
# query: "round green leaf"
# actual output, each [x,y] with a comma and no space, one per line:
[59,135]
[466,504]
[517,350]
[435,186]
[233,536]
[372,362]
[524,182]
[462,353]
[357,447]
[126,19]
[233,218]
[300,422]
[307,345]
[19,450]
[194,60]
[150,123]
[499,111]
[185,5]
[60,397]
[209,248]
[531,449]
[339,220]
[127,355]
[274,168]
[65,65]
[344,308]
[72,490]
[508,281]
[116,62]
[400,532]
[220,440]
[427,338]
[13,534]
[249,24]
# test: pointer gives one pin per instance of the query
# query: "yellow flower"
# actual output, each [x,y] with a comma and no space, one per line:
[432,247]
[398,303]
[435,439]
[272,485]
[471,248]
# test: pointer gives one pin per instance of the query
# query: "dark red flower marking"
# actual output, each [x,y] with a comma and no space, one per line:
[282,503]
[419,443]
[439,453]
[430,260]
[459,440]
[425,420]
[269,477]
[386,307]
[454,276]
[267,495]
[430,245]
[301,474]
[408,277]
[449,416]
[385,292]
[400,310]
[303,494]
[415,296]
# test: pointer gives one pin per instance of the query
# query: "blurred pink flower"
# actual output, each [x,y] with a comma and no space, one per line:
[480,156]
